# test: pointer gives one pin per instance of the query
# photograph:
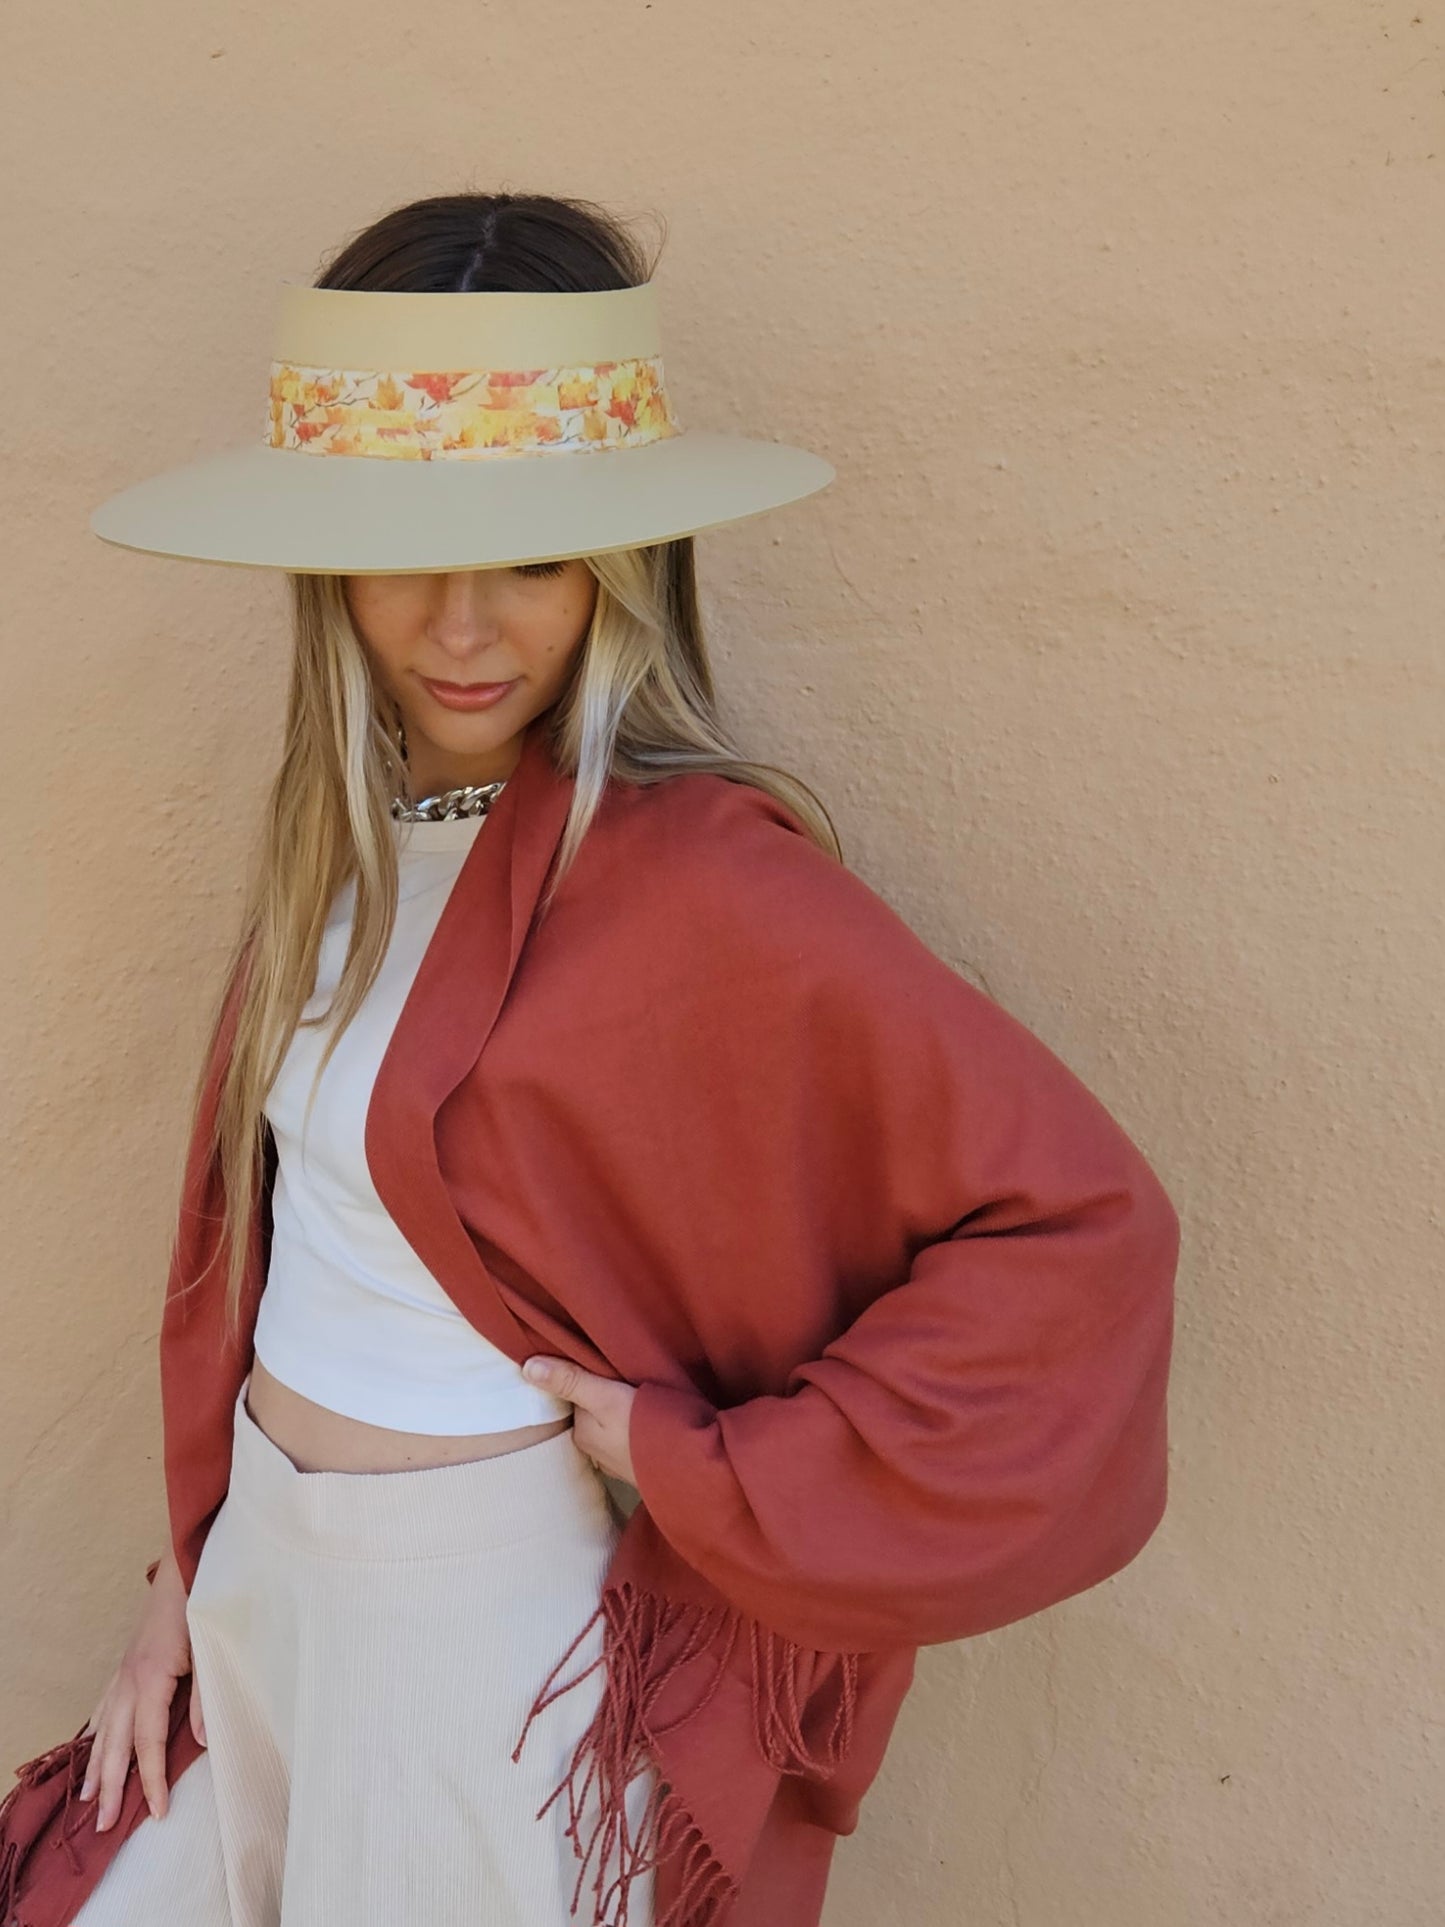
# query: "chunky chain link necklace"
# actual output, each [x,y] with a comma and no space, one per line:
[445,806]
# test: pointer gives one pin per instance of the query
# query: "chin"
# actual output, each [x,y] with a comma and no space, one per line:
[481,726]
[486,732]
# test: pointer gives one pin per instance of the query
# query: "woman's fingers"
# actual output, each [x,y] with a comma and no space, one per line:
[134,1722]
[602,1415]
[152,1724]
[112,1750]
[94,1725]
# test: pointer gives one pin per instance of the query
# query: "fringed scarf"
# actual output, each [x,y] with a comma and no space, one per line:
[895,1288]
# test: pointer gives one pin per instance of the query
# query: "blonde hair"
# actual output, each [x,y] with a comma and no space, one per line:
[638,707]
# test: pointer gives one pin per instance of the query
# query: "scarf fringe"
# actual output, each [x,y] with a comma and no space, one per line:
[622,1737]
[71,1758]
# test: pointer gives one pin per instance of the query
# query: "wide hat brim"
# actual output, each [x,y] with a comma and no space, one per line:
[281,509]
[291,507]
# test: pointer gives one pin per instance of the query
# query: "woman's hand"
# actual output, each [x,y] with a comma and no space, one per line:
[134,1710]
[604,1409]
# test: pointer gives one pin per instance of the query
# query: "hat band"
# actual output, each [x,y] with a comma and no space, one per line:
[468,413]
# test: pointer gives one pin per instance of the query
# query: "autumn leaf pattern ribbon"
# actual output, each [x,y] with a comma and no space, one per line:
[429,416]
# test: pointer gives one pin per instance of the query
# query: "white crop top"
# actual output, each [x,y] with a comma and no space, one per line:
[349,1315]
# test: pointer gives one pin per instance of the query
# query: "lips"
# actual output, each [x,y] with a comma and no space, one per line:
[475,695]
[468,688]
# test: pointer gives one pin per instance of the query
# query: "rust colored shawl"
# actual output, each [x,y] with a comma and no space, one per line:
[896,1289]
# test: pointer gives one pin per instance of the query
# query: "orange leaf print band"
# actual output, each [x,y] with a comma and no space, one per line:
[463,415]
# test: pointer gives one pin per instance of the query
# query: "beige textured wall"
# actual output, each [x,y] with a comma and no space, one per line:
[1115,650]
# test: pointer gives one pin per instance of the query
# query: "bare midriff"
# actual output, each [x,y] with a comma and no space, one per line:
[316,1439]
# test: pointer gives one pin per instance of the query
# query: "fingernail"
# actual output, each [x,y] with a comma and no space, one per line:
[535,1368]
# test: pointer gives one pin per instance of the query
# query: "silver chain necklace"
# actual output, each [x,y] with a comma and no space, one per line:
[445,806]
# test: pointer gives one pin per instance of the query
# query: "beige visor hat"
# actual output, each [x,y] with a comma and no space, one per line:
[411,432]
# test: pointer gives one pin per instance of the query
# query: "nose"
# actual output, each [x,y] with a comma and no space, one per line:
[462,618]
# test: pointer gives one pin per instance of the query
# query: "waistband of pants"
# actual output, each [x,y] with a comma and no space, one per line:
[421,1511]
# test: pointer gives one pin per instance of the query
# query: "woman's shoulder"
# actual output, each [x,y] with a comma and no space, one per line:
[691,800]
[714,836]
[735,872]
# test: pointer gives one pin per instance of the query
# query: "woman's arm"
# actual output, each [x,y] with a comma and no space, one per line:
[986,1439]
[988,1434]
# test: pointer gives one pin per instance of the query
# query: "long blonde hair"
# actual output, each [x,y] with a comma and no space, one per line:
[638,707]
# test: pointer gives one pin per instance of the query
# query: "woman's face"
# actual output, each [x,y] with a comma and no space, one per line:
[439,634]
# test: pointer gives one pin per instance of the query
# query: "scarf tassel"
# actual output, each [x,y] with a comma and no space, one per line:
[640,1654]
[71,1758]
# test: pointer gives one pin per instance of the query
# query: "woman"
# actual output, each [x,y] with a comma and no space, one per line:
[557,1035]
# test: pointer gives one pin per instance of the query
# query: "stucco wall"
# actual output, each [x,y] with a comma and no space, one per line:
[1115,651]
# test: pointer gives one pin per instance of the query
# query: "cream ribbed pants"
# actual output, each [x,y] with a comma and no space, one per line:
[366,1647]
